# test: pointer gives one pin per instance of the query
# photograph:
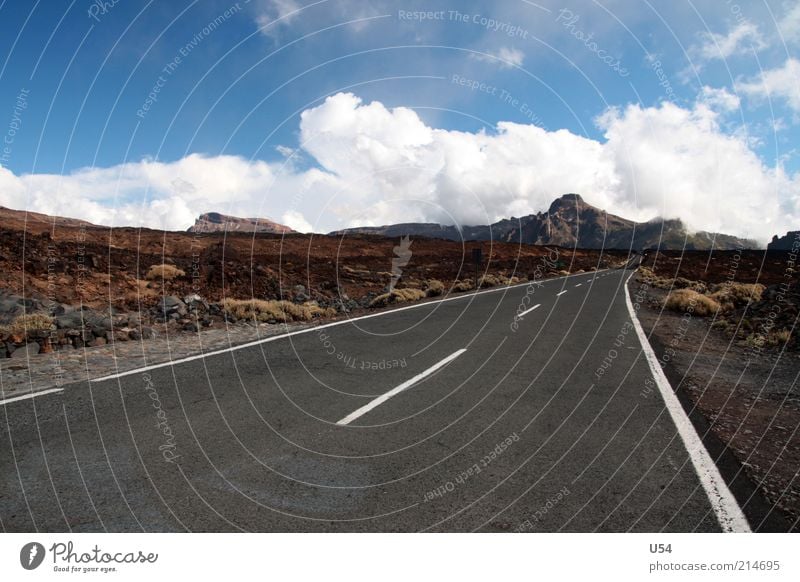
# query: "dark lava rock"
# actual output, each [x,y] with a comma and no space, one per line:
[23,352]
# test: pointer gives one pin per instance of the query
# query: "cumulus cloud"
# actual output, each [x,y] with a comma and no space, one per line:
[678,162]
[779,83]
[789,25]
[744,37]
[374,165]
[504,57]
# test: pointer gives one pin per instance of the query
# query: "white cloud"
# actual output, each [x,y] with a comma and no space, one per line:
[273,15]
[285,151]
[743,38]
[678,162]
[276,12]
[504,57]
[789,25]
[375,165]
[147,193]
[781,83]
[296,221]
[719,99]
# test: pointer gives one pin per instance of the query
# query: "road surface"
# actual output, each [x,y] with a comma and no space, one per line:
[442,416]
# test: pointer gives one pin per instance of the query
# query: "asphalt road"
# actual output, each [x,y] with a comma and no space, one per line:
[517,431]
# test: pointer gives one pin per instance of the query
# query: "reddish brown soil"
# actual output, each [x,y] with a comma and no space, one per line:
[99,266]
[745,266]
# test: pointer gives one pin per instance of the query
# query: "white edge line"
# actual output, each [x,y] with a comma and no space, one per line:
[529,310]
[318,327]
[394,391]
[31,395]
[724,504]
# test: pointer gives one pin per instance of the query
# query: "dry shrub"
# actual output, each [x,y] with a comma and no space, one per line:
[647,275]
[779,337]
[28,322]
[731,294]
[408,294]
[261,310]
[772,339]
[683,283]
[165,272]
[690,301]
[562,272]
[397,296]
[490,280]
[434,288]
[463,285]
[512,280]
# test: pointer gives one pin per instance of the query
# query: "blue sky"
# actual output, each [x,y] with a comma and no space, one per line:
[468,112]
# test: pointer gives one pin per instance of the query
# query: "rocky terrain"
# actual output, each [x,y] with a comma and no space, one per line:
[67,285]
[571,222]
[724,326]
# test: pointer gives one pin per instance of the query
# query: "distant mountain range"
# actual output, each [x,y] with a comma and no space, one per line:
[571,222]
[216,222]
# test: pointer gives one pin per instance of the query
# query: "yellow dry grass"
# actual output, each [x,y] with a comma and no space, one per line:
[463,285]
[267,310]
[28,322]
[434,288]
[165,272]
[490,280]
[690,301]
[397,296]
[731,295]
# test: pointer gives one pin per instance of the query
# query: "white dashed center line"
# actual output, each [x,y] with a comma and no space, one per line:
[395,391]
[557,294]
[529,310]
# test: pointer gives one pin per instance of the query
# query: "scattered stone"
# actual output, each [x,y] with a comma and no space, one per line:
[26,351]
[171,305]
[148,332]
[300,295]
[195,302]
[117,335]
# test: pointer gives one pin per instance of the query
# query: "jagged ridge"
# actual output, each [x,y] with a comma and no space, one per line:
[571,222]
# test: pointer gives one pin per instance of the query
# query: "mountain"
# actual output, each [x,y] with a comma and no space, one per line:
[571,222]
[216,222]
[785,243]
[20,219]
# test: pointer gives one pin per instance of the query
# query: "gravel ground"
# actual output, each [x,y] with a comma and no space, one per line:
[750,400]
[59,368]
